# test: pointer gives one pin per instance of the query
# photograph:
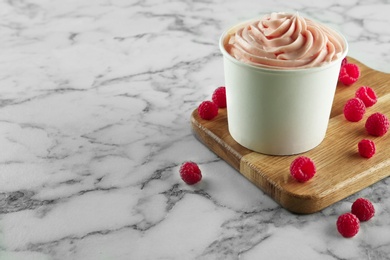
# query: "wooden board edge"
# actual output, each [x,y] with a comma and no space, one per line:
[213,142]
[310,203]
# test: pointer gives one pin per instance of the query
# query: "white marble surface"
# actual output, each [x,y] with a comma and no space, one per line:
[95,100]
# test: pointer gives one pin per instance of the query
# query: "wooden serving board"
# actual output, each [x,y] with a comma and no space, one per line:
[341,171]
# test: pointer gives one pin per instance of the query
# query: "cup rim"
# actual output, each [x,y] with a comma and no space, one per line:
[277,70]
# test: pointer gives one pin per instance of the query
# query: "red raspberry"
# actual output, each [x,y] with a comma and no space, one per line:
[302,169]
[348,225]
[377,124]
[363,209]
[367,95]
[366,148]
[349,74]
[190,173]
[219,97]
[354,110]
[344,61]
[208,110]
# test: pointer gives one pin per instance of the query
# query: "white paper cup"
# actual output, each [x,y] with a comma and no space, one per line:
[276,111]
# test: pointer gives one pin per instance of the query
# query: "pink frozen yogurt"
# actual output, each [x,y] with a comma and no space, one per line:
[284,41]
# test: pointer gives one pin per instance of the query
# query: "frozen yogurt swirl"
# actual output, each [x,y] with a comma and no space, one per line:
[285,41]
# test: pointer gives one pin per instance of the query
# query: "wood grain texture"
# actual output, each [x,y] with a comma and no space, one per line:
[340,169]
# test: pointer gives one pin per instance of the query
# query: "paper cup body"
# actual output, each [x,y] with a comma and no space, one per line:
[278,111]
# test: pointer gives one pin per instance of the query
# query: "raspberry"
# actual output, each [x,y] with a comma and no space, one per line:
[344,61]
[367,95]
[348,225]
[349,74]
[377,124]
[208,110]
[354,110]
[219,97]
[302,169]
[363,209]
[366,148]
[190,173]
